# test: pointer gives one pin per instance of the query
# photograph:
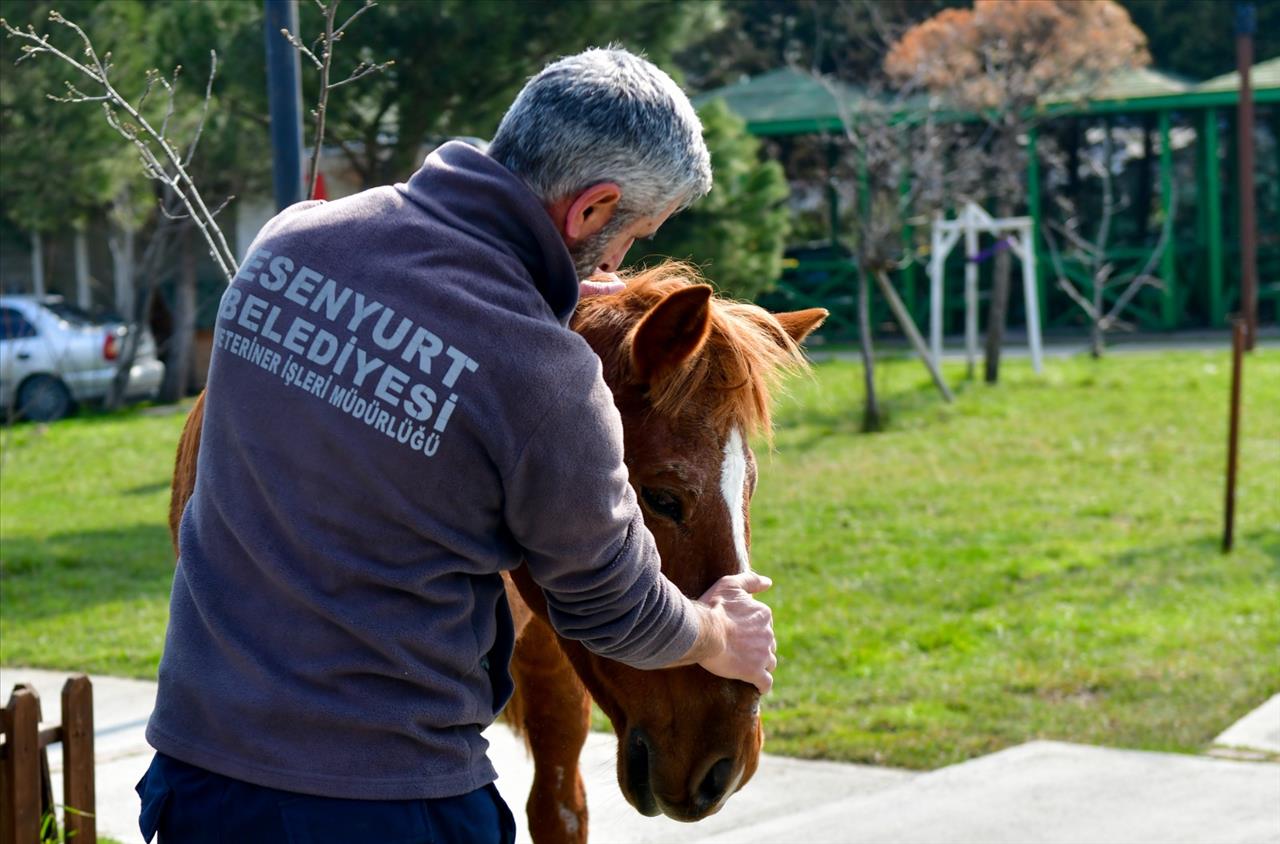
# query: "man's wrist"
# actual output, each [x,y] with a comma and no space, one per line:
[711,640]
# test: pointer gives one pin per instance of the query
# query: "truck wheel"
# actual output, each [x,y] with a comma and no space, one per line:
[43,398]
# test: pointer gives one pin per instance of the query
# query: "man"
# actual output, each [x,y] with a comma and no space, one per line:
[396,413]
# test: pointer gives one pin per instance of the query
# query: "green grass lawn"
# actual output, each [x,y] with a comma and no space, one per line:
[1037,560]
[85,559]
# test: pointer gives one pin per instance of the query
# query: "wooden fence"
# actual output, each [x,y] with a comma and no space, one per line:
[27,812]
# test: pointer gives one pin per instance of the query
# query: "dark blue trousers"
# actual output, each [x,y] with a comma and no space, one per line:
[189,805]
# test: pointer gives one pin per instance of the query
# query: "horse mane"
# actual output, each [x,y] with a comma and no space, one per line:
[744,360]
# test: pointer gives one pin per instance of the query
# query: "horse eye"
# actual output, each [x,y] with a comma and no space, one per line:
[664,503]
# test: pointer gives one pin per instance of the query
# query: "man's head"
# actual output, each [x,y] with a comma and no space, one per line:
[611,146]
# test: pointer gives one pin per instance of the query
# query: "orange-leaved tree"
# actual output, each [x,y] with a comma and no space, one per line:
[1003,60]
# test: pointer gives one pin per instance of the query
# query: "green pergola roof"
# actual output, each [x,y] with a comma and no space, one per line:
[790,102]
[787,97]
[1261,75]
[1135,84]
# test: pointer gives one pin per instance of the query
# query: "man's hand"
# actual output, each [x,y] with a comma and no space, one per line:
[601,284]
[735,639]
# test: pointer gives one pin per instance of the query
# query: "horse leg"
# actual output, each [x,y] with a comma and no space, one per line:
[556,714]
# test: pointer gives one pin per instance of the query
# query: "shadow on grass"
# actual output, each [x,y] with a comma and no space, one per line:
[910,408]
[51,575]
[149,489]
[1266,540]
[1204,547]
[1197,548]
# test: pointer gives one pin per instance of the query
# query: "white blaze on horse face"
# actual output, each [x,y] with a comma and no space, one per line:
[733,486]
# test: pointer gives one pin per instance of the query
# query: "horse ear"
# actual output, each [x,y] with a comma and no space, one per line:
[800,324]
[673,331]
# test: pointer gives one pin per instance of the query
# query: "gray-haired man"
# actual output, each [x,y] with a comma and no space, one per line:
[392,372]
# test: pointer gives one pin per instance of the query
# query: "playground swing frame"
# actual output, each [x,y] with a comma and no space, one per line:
[1019,233]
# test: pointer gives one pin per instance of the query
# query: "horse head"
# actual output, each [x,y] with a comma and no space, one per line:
[691,375]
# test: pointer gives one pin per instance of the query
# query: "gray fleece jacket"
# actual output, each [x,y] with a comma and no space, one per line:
[396,413]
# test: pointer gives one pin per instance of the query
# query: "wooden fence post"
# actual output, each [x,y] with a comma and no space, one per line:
[27,810]
[20,786]
[78,798]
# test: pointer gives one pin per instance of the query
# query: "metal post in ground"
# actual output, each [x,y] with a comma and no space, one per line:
[1246,20]
[1239,330]
[1036,214]
[284,96]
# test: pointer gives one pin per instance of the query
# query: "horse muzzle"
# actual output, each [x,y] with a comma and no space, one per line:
[691,799]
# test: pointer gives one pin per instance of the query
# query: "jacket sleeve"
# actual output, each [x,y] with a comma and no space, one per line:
[569,506]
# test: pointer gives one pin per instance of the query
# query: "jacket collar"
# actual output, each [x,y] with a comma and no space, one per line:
[470,191]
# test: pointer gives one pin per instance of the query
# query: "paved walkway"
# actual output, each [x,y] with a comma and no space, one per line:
[1038,792]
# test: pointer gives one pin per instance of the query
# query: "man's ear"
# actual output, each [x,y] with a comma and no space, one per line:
[590,210]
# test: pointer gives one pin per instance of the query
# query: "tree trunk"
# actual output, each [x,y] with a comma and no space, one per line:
[871,420]
[141,290]
[998,310]
[129,350]
[908,326]
[1096,341]
[179,361]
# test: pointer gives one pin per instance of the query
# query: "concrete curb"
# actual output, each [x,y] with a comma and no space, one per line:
[1054,793]
[1257,731]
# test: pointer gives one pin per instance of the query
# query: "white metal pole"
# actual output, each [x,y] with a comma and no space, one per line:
[122,269]
[82,269]
[936,259]
[970,295]
[1033,300]
[37,264]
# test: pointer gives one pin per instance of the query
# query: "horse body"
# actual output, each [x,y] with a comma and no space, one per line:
[691,377]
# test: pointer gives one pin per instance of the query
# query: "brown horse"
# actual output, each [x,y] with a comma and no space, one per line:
[691,376]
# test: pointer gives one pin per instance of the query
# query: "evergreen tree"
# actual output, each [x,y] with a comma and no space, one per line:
[1196,38]
[459,63]
[736,233]
[59,163]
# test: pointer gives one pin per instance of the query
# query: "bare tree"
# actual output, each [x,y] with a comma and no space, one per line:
[154,257]
[164,161]
[900,153]
[320,53]
[1001,60]
[1090,253]
[160,153]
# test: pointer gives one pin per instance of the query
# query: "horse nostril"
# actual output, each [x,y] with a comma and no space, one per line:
[637,773]
[714,784]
